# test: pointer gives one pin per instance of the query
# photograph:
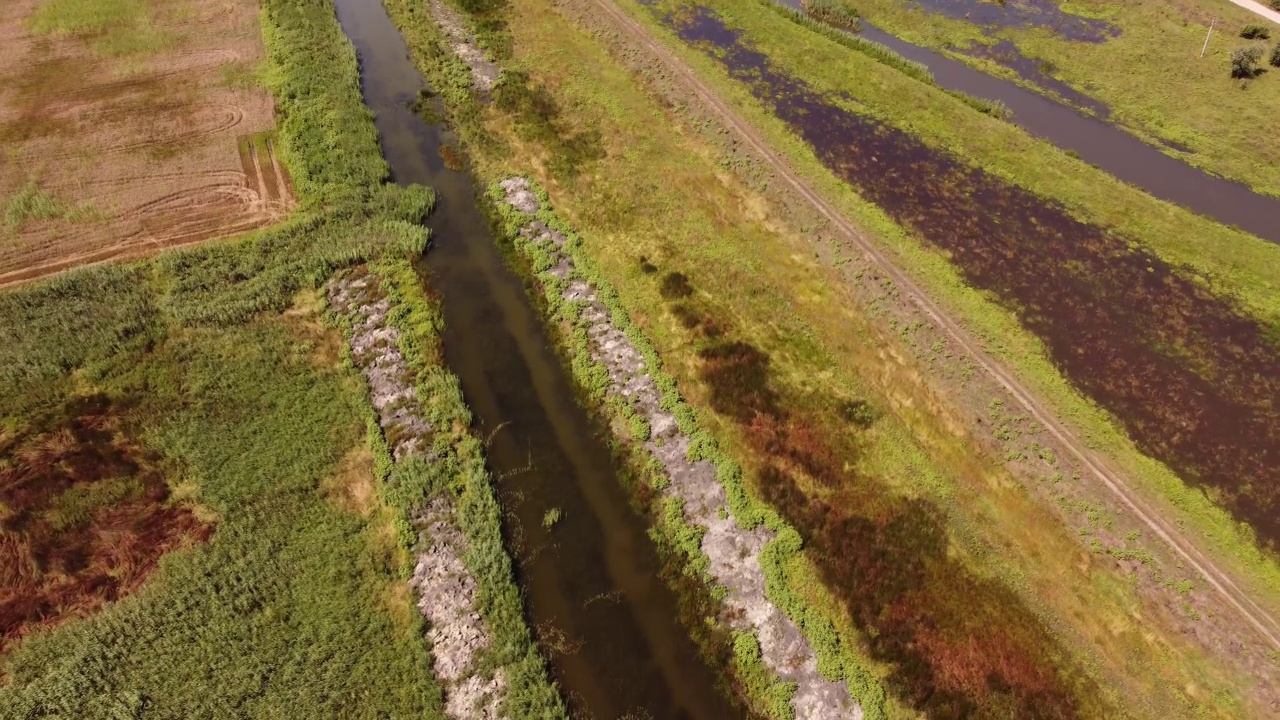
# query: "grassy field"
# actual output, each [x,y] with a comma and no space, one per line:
[651,196]
[217,370]
[1145,74]
[1250,277]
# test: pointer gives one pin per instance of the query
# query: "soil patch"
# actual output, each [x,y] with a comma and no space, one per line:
[84,517]
[133,152]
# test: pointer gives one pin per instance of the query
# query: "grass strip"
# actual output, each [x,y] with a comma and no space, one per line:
[837,660]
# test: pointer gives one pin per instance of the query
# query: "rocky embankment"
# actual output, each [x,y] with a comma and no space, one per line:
[483,72]
[734,552]
[446,589]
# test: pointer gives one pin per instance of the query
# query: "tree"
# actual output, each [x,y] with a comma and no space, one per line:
[1275,51]
[1244,62]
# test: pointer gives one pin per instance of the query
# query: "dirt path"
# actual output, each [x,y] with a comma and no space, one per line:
[1259,9]
[1257,617]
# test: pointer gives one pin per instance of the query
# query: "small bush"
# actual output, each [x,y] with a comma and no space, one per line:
[1274,60]
[836,13]
[551,517]
[1244,62]
[1255,32]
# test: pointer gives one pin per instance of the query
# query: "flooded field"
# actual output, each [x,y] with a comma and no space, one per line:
[1196,384]
[1092,138]
[1025,14]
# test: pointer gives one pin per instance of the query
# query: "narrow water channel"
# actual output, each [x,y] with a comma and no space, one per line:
[590,580]
[1099,143]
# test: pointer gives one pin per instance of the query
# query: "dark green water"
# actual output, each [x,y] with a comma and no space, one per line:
[591,581]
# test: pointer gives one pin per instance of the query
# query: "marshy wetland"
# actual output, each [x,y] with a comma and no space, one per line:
[1193,379]
[634,359]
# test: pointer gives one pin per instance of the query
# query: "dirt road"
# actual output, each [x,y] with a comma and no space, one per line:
[1259,9]
[1263,622]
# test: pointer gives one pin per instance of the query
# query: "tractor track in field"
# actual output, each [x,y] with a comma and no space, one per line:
[1257,617]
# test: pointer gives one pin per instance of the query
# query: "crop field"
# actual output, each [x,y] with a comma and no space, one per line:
[130,126]
[934,555]
[1136,63]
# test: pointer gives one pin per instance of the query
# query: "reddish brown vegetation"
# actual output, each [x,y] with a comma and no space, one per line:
[452,158]
[84,519]
[959,645]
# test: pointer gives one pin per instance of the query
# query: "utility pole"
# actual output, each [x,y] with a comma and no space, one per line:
[1206,38]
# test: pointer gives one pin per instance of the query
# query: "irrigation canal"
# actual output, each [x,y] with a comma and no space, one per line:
[608,624]
[1099,142]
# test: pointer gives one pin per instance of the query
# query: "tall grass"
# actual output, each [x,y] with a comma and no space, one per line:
[297,606]
[836,13]
[870,48]
[32,202]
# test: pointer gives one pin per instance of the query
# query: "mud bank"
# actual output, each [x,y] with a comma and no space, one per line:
[732,548]
[445,587]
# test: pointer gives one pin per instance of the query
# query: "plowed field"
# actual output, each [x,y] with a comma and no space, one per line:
[131,130]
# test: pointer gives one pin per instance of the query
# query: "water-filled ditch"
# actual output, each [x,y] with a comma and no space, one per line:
[607,622]
[1097,141]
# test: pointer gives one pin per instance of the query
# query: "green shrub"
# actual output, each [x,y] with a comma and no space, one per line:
[1274,60]
[1244,62]
[1255,32]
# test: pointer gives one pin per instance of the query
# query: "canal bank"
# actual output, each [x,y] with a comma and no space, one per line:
[1095,141]
[606,621]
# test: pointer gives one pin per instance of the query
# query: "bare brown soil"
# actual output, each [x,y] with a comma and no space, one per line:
[84,518]
[144,146]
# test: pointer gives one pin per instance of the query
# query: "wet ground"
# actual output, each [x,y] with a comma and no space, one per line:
[606,622]
[1195,383]
[85,516]
[1006,54]
[1024,14]
[1093,139]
